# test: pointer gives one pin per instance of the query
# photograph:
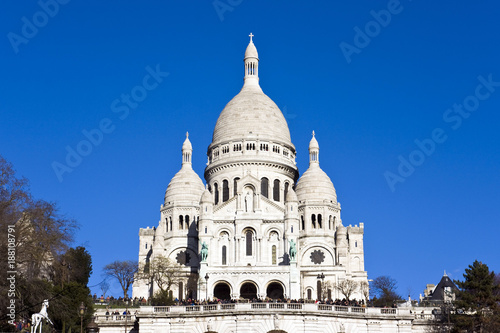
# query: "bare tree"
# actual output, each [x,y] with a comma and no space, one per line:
[104,285]
[40,231]
[347,288]
[325,287]
[124,272]
[384,288]
[162,271]
[364,286]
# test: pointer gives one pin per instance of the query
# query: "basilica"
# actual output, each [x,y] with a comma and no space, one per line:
[257,229]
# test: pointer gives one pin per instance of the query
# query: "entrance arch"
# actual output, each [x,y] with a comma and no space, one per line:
[275,290]
[222,291]
[248,290]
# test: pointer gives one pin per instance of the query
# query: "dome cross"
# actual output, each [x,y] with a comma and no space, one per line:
[251,35]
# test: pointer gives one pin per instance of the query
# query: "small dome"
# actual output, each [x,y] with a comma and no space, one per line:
[207,197]
[291,196]
[315,185]
[186,186]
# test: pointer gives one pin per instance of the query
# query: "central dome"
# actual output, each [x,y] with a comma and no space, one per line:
[251,114]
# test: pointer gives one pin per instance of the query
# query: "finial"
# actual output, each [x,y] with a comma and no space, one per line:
[313,133]
[187,135]
[445,273]
[251,35]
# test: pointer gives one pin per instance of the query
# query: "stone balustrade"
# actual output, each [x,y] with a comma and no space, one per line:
[220,309]
[253,307]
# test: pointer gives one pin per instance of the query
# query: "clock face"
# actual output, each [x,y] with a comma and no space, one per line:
[317,257]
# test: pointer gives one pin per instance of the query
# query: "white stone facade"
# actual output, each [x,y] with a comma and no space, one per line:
[253,206]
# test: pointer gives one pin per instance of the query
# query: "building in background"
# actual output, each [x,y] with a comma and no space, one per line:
[443,293]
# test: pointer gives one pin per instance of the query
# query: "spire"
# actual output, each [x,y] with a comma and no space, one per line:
[313,150]
[187,151]
[251,64]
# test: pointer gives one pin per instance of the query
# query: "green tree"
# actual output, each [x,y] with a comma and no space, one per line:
[476,306]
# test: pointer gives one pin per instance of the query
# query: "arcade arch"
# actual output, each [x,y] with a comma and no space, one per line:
[248,290]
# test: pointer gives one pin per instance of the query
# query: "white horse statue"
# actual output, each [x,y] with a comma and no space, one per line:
[37,318]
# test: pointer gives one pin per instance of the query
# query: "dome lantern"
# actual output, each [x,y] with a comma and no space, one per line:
[187,151]
[313,150]
[251,64]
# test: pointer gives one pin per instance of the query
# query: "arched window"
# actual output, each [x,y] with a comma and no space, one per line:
[235,186]
[264,187]
[302,222]
[320,221]
[313,221]
[309,294]
[166,224]
[186,220]
[216,190]
[170,223]
[330,222]
[248,236]
[276,190]
[225,190]
[286,190]
[224,250]
[181,222]
[274,254]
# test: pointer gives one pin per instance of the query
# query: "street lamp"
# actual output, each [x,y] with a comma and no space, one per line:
[81,311]
[206,287]
[322,278]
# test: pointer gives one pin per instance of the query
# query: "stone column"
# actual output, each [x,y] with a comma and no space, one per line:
[294,285]
[202,291]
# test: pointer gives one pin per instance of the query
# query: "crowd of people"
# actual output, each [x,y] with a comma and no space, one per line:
[120,301]
[134,302]
[194,302]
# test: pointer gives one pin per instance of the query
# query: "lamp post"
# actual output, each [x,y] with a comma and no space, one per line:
[81,311]
[206,287]
[322,278]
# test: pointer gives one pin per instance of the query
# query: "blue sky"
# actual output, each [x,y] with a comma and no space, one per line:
[404,98]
